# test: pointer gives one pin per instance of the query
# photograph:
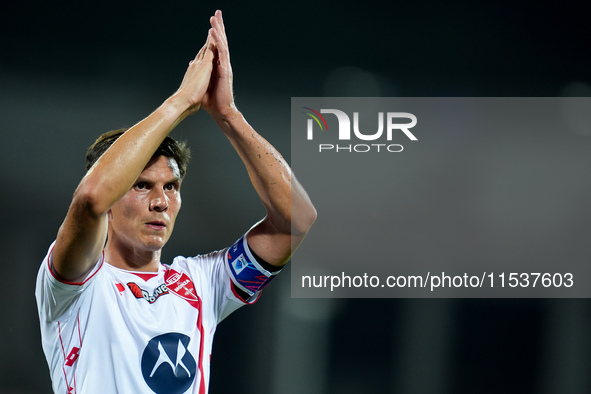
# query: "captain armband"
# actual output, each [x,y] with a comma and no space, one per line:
[247,274]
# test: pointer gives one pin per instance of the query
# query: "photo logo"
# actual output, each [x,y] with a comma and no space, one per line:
[392,121]
[315,117]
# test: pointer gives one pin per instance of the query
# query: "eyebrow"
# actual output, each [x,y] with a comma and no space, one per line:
[147,180]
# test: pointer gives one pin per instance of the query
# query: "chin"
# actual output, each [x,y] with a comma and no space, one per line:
[155,245]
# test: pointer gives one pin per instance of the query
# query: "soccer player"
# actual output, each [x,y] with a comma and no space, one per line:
[114,319]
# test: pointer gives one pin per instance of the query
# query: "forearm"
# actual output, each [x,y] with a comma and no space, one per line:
[289,209]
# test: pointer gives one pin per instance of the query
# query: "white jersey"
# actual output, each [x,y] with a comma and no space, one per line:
[127,332]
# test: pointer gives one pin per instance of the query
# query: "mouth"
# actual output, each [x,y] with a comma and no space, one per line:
[156,225]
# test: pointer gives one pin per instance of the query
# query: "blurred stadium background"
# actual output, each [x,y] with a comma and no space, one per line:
[71,70]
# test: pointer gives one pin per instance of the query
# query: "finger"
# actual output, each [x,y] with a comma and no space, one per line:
[219,37]
[211,38]
[222,51]
[208,55]
[209,42]
[221,21]
[207,50]
[203,48]
[218,25]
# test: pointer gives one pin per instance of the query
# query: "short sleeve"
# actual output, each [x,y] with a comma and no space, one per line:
[55,296]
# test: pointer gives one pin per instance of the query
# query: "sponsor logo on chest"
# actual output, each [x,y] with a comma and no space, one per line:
[138,292]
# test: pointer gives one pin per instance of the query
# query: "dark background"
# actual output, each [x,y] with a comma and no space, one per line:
[71,70]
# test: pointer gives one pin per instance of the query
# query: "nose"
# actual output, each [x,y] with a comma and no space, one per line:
[158,200]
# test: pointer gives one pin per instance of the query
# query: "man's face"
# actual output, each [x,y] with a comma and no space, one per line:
[143,219]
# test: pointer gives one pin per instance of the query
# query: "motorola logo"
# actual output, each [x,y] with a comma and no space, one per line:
[167,365]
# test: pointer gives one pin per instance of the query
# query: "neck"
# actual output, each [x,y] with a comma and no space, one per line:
[132,259]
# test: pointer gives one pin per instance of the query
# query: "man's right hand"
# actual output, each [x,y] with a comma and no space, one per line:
[196,80]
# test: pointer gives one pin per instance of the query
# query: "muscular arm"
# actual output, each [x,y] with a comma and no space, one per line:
[290,212]
[83,233]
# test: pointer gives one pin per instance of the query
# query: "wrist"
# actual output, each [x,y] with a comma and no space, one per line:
[229,119]
[225,114]
[177,108]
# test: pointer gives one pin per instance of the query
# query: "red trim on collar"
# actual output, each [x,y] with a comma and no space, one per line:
[145,275]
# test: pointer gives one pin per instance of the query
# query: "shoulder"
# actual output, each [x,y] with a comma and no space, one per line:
[201,258]
[201,261]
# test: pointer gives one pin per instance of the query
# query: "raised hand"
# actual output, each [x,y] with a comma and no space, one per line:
[219,98]
[197,77]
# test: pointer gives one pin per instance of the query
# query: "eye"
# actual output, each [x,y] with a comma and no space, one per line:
[170,186]
[140,185]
